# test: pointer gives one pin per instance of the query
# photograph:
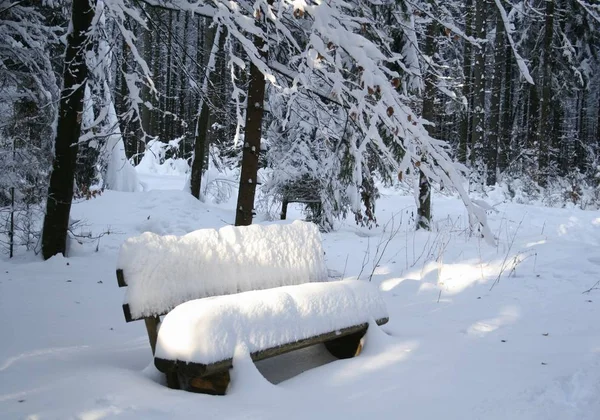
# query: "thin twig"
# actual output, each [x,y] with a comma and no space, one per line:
[378,256]
[365,258]
[592,288]
[345,265]
[510,245]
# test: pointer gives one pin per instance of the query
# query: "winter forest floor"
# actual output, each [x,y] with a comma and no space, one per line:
[476,331]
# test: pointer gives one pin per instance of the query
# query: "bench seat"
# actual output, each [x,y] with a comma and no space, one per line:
[197,339]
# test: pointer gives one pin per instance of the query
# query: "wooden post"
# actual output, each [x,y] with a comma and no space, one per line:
[152,324]
[284,205]
[152,329]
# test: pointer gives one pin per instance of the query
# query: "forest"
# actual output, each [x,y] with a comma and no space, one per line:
[320,209]
[320,102]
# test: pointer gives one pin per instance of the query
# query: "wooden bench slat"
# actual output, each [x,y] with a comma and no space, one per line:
[200,369]
[131,318]
[127,313]
[121,278]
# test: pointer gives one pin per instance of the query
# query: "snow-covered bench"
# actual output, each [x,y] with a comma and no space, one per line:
[198,339]
[162,272]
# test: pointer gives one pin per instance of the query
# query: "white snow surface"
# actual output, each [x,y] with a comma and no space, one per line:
[455,347]
[163,271]
[209,330]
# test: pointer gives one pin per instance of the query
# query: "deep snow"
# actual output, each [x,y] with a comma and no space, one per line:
[475,331]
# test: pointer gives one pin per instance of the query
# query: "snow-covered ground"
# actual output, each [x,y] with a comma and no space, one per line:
[475,332]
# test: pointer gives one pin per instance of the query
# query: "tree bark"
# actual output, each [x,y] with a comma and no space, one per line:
[60,190]
[544,133]
[252,135]
[478,110]
[580,152]
[157,59]
[167,118]
[183,78]
[598,123]
[428,113]
[495,117]
[464,128]
[214,39]
[199,150]
[505,119]
[146,113]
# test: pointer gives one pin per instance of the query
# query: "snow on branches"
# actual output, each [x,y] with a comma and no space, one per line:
[335,53]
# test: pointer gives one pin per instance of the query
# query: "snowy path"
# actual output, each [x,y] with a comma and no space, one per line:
[527,349]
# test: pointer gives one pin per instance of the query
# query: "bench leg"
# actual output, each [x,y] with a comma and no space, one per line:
[347,346]
[172,380]
[215,384]
[284,206]
[152,324]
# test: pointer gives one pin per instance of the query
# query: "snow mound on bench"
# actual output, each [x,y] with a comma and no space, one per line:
[163,271]
[208,330]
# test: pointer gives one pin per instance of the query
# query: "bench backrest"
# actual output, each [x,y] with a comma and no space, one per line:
[161,272]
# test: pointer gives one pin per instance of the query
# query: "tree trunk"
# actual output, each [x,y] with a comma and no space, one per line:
[544,133]
[597,141]
[598,122]
[60,190]
[157,60]
[200,146]
[183,78]
[495,117]
[146,113]
[531,117]
[580,152]
[199,150]
[131,133]
[252,135]
[167,118]
[428,113]
[464,129]
[505,119]
[478,110]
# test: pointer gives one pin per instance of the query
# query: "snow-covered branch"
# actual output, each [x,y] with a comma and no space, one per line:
[509,30]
